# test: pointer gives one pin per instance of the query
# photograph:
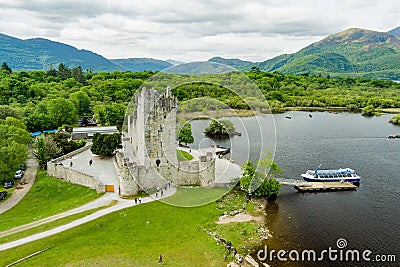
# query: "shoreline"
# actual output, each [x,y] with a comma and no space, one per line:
[204,115]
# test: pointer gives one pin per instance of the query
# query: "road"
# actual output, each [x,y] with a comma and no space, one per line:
[28,180]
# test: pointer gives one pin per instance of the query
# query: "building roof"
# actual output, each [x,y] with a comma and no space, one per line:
[93,130]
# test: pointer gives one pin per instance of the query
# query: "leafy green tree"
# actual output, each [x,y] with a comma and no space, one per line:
[61,111]
[395,119]
[38,122]
[247,176]
[220,128]
[81,102]
[105,144]
[63,71]
[7,111]
[185,134]
[112,114]
[77,74]
[45,148]
[368,110]
[13,122]
[13,148]
[260,183]
[5,67]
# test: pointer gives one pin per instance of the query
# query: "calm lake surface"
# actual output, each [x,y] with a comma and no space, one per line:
[368,218]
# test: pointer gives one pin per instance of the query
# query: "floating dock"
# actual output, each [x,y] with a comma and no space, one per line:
[325,186]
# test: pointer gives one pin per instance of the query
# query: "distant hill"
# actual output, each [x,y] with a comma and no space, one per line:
[234,62]
[395,32]
[41,54]
[141,64]
[354,53]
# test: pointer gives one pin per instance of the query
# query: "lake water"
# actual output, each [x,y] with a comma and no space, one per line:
[368,218]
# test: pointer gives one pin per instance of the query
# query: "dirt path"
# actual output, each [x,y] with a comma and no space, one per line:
[27,181]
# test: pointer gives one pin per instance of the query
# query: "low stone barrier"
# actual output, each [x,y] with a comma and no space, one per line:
[57,170]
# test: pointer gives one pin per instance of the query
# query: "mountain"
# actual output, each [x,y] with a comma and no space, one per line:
[354,52]
[41,54]
[395,32]
[234,62]
[141,64]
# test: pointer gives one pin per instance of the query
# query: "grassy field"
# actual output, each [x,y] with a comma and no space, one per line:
[183,155]
[48,196]
[137,236]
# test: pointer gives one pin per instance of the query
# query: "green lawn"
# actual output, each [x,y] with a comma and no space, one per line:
[131,237]
[137,236]
[183,155]
[195,196]
[48,196]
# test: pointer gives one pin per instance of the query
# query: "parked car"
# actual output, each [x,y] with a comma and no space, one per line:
[22,167]
[18,174]
[9,183]
[3,195]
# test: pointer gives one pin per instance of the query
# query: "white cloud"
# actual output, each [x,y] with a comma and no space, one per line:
[192,30]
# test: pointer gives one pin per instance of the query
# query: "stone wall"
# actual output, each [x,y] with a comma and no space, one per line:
[56,170]
[73,176]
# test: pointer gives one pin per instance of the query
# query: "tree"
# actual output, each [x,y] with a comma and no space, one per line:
[368,111]
[45,148]
[63,71]
[395,119]
[105,144]
[61,111]
[185,134]
[5,67]
[81,102]
[247,176]
[220,128]
[13,148]
[260,183]
[112,114]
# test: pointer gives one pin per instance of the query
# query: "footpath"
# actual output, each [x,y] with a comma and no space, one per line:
[121,204]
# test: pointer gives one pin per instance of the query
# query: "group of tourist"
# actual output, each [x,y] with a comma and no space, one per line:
[167,185]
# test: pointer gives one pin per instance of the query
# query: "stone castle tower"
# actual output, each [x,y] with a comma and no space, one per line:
[152,128]
[149,159]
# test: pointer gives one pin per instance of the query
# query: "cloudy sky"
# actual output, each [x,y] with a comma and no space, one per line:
[189,30]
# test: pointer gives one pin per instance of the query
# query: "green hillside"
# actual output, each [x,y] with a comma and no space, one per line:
[355,52]
[141,64]
[351,53]
[41,54]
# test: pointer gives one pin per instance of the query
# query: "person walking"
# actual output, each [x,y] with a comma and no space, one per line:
[160,260]
[70,164]
[90,162]
[162,193]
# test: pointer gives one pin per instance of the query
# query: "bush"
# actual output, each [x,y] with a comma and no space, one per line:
[395,119]
[105,144]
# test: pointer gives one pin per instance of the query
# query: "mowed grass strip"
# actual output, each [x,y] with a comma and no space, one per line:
[183,155]
[50,225]
[131,237]
[47,197]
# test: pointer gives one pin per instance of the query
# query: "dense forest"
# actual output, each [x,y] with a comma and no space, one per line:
[49,99]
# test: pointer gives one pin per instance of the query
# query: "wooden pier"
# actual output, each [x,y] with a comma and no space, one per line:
[324,186]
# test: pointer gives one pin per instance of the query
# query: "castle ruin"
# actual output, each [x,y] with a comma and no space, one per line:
[150,145]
